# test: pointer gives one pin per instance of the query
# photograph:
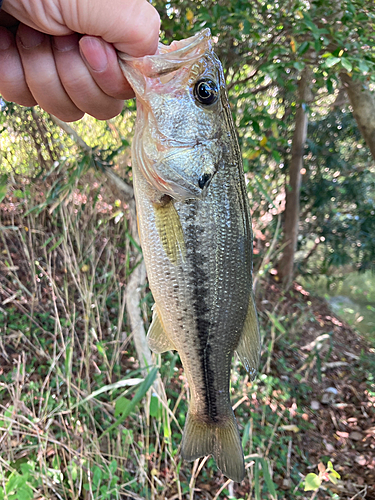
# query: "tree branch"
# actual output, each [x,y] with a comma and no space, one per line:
[125,190]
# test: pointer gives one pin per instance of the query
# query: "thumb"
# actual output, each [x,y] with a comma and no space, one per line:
[132,26]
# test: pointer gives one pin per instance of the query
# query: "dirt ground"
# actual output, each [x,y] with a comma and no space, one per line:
[342,407]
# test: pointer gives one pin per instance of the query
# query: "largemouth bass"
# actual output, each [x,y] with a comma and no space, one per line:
[195,230]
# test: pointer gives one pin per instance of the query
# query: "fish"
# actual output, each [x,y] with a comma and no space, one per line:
[196,235]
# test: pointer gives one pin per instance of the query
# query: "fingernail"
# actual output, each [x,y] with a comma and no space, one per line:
[65,43]
[94,53]
[29,37]
[5,39]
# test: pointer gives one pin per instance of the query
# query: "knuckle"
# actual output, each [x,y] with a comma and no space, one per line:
[24,99]
[66,112]
[145,28]
[106,113]
[76,83]
[70,117]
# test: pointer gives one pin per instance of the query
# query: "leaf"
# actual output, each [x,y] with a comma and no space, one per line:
[256,126]
[73,470]
[113,466]
[332,471]
[275,131]
[3,186]
[312,482]
[329,85]
[267,478]
[189,15]
[299,65]
[276,322]
[276,156]
[58,243]
[303,47]
[68,361]
[97,476]
[154,407]
[106,388]
[245,434]
[321,467]
[246,27]
[254,154]
[363,67]
[256,481]
[121,406]
[331,61]
[346,64]
[263,142]
[311,25]
[333,478]
[18,193]
[290,428]
[293,44]
[140,393]
[26,493]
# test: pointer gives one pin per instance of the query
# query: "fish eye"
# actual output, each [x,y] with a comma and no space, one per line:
[206,92]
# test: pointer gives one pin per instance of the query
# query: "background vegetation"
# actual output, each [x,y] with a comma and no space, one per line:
[82,414]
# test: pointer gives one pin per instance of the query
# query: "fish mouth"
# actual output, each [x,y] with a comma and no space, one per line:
[170,58]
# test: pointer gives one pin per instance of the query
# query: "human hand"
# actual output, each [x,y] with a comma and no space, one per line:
[48,61]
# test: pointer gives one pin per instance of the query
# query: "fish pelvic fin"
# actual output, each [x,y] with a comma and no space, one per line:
[221,439]
[170,231]
[157,339]
[248,348]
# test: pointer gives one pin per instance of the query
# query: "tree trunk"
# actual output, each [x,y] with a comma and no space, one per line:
[362,101]
[293,186]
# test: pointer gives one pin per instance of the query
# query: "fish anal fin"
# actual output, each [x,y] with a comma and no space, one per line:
[157,339]
[170,230]
[221,440]
[248,348]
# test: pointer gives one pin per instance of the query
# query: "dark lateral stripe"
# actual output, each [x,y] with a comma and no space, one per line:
[200,292]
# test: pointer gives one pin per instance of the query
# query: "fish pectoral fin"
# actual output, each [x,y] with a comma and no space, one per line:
[170,231]
[157,339]
[248,348]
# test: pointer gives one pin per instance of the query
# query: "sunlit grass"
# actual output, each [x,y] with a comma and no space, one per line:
[352,297]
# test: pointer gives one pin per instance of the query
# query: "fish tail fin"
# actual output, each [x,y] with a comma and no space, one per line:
[220,439]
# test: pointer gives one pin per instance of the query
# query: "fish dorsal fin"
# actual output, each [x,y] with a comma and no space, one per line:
[157,339]
[248,348]
[170,231]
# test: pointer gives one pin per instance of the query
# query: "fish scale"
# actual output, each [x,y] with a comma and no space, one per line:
[195,231]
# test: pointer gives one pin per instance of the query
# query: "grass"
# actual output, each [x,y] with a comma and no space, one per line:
[79,418]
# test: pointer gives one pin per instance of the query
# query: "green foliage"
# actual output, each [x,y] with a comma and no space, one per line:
[314,481]
[3,186]
[337,196]
[124,406]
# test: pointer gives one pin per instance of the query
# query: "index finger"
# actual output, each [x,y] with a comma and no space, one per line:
[132,26]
